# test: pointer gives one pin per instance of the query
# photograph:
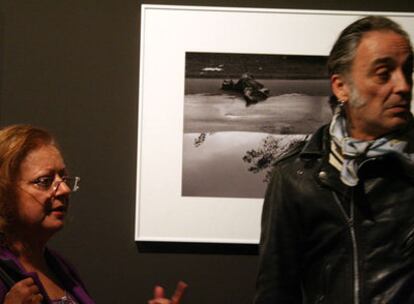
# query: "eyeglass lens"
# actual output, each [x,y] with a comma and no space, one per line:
[71,182]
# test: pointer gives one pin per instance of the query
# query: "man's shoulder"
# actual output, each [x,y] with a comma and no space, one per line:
[312,146]
[292,154]
[408,136]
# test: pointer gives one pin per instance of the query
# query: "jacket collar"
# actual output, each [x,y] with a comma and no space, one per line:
[316,147]
[316,151]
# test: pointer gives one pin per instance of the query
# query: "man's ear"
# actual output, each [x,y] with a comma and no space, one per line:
[340,88]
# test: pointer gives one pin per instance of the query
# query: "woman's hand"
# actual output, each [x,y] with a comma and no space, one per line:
[159,297]
[24,292]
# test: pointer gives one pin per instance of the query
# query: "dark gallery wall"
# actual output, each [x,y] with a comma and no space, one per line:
[72,67]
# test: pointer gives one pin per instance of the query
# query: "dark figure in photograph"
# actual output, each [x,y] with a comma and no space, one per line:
[338,217]
[252,90]
[34,200]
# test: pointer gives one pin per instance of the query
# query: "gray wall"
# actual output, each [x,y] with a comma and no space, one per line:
[72,67]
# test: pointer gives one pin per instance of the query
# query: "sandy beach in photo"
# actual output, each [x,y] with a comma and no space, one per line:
[287,113]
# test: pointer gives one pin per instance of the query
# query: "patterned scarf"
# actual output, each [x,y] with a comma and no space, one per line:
[348,154]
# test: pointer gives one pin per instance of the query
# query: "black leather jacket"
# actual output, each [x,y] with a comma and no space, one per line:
[324,242]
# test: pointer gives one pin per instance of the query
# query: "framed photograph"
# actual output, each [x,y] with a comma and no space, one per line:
[223,93]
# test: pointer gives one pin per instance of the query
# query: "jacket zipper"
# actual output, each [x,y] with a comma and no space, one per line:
[350,221]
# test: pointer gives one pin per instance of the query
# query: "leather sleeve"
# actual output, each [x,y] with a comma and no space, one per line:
[278,279]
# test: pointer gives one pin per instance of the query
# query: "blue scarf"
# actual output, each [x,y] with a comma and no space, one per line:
[349,153]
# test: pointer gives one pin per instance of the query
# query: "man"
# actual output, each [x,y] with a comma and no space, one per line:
[338,218]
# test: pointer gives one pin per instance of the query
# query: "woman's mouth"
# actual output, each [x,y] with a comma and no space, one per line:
[58,211]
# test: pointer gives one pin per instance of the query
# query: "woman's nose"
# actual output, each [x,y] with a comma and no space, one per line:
[61,188]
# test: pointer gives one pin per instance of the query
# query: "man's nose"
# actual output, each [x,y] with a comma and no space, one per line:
[402,82]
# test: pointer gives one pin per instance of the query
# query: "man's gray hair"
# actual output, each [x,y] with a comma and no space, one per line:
[343,51]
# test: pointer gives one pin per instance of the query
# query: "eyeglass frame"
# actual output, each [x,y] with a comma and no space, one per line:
[56,183]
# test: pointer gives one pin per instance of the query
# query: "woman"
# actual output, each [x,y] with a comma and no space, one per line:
[34,196]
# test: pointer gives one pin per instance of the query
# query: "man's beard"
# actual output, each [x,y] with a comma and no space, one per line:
[355,99]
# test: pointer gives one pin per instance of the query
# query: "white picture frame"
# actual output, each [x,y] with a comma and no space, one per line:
[167,33]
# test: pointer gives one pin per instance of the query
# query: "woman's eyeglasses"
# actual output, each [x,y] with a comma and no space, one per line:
[48,183]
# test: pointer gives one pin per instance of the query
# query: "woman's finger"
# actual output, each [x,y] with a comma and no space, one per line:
[179,292]
[158,292]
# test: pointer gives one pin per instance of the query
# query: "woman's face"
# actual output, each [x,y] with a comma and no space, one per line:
[39,208]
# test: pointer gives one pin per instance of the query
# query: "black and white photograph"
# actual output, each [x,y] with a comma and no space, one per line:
[224,93]
[244,111]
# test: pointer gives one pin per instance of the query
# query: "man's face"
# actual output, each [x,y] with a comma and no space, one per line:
[379,86]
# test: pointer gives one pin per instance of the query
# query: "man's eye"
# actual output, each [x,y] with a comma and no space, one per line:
[383,74]
[44,181]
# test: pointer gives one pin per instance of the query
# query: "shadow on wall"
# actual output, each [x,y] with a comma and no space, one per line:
[197,248]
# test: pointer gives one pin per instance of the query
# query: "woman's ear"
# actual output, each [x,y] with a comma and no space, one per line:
[340,88]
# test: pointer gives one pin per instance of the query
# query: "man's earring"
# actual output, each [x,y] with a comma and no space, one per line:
[342,103]
[340,106]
